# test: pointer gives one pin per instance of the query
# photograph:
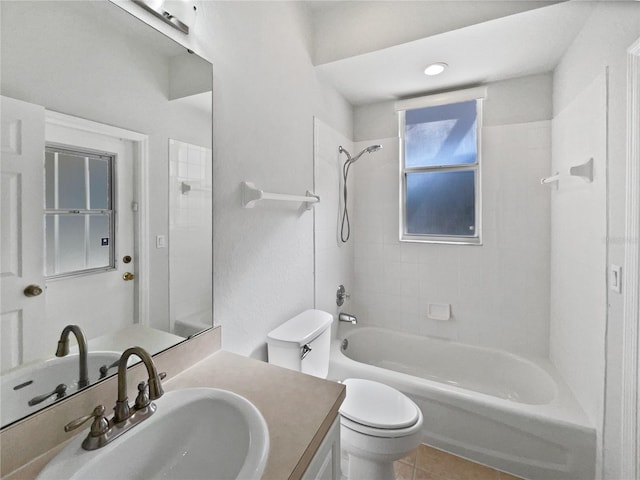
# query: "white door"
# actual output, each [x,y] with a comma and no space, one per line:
[104,301]
[21,231]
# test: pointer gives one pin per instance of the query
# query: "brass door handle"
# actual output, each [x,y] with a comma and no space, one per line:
[32,291]
[128,276]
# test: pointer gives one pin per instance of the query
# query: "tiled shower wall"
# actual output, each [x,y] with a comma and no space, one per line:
[333,259]
[190,234]
[499,291]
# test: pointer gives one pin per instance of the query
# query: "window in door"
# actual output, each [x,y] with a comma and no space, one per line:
[79,215]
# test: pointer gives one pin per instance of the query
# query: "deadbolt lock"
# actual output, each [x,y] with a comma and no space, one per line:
[128,276]
[126,259]
[33,291]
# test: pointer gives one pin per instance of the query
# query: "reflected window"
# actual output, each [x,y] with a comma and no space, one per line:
[440,173]
[79,219]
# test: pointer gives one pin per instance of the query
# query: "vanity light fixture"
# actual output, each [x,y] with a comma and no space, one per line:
[157,8]
[435,69]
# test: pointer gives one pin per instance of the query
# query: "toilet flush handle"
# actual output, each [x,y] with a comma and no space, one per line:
[304,351]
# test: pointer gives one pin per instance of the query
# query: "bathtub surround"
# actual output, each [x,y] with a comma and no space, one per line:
[498,292]
[332,258]
[578,217]
[601,44]
[190,262]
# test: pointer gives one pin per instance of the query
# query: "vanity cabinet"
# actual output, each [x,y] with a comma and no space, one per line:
[325,464]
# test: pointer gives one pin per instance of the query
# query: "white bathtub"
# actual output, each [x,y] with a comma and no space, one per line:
[486,405]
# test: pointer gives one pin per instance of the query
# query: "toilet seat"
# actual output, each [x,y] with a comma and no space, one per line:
[380,432]
[379,410]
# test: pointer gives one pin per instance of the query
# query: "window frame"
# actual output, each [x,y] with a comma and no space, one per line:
[110,212]
[478,95]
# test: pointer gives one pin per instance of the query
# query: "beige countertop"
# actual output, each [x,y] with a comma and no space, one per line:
[299,409]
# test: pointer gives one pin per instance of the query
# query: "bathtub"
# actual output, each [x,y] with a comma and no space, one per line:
[486,405]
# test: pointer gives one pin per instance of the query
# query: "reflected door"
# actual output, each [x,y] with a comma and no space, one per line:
[23,296]
[90,261]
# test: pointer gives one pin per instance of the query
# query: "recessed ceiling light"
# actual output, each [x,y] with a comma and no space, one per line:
[435,68]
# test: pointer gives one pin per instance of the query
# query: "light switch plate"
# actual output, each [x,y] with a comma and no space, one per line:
[615,278]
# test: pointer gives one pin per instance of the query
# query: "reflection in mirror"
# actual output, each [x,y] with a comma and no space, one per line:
[106,194]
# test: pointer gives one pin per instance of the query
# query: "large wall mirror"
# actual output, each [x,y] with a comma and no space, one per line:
[106,195]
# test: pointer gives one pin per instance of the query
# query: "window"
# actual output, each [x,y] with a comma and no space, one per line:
[78,218]
[440,168]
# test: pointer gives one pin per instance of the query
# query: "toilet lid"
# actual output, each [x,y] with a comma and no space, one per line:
[377,405]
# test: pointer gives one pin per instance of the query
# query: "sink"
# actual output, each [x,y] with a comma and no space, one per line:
[22,384]
[195,433]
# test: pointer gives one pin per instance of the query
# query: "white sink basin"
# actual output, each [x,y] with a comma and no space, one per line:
[24,383]
[195,433]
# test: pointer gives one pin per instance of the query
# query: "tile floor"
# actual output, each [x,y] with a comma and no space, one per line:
[426,463]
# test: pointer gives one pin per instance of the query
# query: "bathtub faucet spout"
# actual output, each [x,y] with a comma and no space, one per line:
[347,317]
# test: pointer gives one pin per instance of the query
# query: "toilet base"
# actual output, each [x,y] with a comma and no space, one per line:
[354,468]
[365,457]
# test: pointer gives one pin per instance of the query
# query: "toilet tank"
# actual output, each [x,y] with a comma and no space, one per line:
[302,343]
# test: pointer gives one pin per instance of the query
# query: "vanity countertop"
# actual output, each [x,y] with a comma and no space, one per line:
[299,409]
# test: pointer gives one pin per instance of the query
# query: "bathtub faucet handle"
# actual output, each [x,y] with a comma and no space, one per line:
[347,317]
[341,294]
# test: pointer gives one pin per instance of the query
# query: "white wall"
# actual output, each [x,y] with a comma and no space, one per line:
[265,98]
[499,291]
[611,28]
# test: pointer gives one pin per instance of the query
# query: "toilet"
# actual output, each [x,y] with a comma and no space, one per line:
[378,424]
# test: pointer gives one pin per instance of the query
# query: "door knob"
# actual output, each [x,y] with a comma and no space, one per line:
[128,276]
[32,291]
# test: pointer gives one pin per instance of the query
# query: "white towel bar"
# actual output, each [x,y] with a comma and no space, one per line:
[584,171]
[251,195]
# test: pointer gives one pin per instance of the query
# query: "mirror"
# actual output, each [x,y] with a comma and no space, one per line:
[110,229]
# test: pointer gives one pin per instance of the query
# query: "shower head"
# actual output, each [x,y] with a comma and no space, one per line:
[350,159]
[373,148]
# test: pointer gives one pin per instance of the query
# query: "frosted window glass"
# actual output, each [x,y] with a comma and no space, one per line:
[71,183]
[49,177]
[79,211]
[98,248]
[50,247]
[71,255]
[99,183]
[441,135]
[441,203]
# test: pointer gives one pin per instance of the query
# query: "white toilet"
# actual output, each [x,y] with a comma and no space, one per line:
[378,424]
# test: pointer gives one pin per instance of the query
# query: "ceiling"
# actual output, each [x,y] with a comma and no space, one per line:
[520,44]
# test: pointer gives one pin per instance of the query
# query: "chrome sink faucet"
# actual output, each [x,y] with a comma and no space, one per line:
[63,350]
[103,431]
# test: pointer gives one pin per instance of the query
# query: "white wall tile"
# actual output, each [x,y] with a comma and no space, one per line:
[498,291]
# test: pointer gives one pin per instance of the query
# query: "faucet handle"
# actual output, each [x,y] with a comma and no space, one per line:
[142,400]
[99,426]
